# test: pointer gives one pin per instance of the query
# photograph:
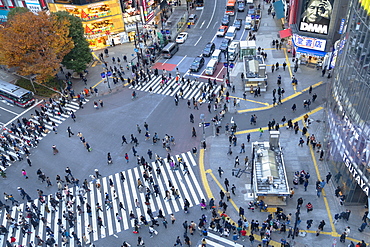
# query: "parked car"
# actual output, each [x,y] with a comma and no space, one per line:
[197,64]
[241,7]
[182,37]
[222,31]
[238,24]
[224,44]
[225,20]
[209,49]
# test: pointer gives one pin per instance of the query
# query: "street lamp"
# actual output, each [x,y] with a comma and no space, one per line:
[297,213]
[227,61]
[202,117]
[138,44]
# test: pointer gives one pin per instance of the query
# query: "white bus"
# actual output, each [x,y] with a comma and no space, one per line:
[15,95]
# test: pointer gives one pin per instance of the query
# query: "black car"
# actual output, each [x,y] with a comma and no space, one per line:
[197,64]
[225,20]
[209,49]
[238,24]
[224,44]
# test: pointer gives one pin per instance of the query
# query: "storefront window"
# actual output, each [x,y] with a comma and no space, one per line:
[92,11]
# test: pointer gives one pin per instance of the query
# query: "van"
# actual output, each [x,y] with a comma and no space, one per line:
[233,50]
[248,23]
[231,32]
[216,55]
[249,1]
[170,49]
[211,67]
[193,19]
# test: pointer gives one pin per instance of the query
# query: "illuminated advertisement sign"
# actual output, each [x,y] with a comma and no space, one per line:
[316,15]
[308,42]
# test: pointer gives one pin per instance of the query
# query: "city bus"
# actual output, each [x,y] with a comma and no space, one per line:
[230,7]
[15,95]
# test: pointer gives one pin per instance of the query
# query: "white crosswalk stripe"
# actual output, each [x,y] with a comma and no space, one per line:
[214,240]
[126,192]
[171,88]
[71,106]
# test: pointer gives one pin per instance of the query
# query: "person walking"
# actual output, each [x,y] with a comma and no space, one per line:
[124,140]
[109,159]
[55,150]
[126,158]
[226,182]
[242,148]
[173,219]
[220,171]
[328,177]
[261,131]
[24,173]
[69,130]
[193,133]
[28,161]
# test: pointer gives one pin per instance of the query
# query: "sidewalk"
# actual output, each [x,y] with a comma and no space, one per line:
[296,158]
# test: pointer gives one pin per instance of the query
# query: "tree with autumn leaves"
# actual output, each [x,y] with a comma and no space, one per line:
[35,44]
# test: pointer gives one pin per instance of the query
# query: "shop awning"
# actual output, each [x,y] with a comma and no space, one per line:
[285,33]
[279,9]
[311,52]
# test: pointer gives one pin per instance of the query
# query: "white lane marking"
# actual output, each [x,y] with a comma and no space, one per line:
[202,24]
[220,71]
[182,60]
[16,117]
[213,13]
[12,112]
[198,41]
[214,38]
[165,62]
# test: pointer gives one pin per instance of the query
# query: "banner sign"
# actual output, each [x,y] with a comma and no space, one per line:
[316,16]
[308,42]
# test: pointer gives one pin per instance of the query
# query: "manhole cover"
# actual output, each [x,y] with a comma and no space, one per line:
[244,191]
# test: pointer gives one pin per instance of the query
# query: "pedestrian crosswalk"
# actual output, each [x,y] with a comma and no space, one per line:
[188,89]
[119,190]
[214,240]
[29,141]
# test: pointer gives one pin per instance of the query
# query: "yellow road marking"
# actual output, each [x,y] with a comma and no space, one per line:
[323,190]
[93,53]
[203,175]
[98,83]
[257,237]
[269,106]
[289,68]
[281,125]
[253,101]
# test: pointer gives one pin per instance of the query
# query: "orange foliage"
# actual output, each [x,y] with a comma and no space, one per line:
[35,44]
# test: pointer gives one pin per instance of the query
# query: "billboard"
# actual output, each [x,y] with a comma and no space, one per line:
[316,16]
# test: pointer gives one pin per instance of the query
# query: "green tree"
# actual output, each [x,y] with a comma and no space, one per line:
[79,57]
[16,11]
[35,44]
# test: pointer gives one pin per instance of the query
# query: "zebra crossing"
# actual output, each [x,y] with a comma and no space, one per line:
[72,106]
[214,240]
[195,89]
[125,191]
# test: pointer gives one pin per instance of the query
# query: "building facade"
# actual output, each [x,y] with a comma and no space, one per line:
[348,139]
